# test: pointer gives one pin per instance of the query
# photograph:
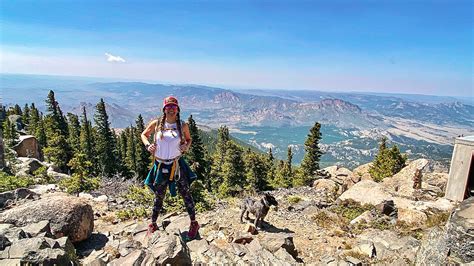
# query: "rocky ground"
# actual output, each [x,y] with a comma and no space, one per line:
[344,218]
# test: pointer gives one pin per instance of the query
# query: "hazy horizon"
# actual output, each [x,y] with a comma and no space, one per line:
[385,46]
[470,98]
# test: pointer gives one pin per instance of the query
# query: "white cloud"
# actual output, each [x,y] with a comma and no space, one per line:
[114,58]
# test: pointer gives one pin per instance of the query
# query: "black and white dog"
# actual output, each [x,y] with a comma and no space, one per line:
[259,208]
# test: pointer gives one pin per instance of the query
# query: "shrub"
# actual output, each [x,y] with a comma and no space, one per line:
[10,182]
[76,184]
[350,209]
[294,199]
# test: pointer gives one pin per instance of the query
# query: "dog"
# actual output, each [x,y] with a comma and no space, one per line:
[259,208]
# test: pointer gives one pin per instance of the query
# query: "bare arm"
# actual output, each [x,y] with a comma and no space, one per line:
[150,128]
[187,137]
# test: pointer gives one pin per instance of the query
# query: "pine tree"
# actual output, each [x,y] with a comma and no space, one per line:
[216,173]
[131,159]
[105,145]
[142,155]
[195,155]
[58,121]
[55,151]
[26,114]
[17,110]
[33,120]
[233,171]
[256,168]
[310,163]
[87,137]
[289,161]
[3,115]
[74,129]
[58,150]
[40,132]
[387,162]
[271,167]
[10,135]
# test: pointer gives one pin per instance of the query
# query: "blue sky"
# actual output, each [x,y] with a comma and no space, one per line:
[384,46]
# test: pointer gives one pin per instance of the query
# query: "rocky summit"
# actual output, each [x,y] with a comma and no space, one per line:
[345,218]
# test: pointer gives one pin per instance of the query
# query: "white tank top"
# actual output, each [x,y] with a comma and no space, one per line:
[167,147]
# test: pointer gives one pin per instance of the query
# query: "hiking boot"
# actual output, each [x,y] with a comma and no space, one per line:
[152,228]
[193,230]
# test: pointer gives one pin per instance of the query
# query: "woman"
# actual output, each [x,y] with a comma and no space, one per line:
[171,140]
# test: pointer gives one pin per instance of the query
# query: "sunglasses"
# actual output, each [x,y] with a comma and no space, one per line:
[174,107]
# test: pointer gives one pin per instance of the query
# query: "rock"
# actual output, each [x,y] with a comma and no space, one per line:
[37,228]
[101,198]
[23,193]
[460,231]
[28,166]
[4,227]
[367,249]
[402,182]
[243,239]
[198,246]
[412,217]
[434,249]
[326,184]
[15,233]
[55,174]
[6,198]
[97,258]
[361,173]
[360,193]
[353,261]
[43,189]
[68,216]
[22,247]
[170,249]
[274,242]
[28,147]
[4,242]
[47,256]
[250,228]
[366,217]
[133,259]
[388,245]
[387,207]
[85,195]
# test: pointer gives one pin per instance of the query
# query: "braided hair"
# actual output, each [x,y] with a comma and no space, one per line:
[161,126]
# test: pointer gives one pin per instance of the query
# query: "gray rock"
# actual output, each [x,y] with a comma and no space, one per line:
[170,249]
[29,165]
[353,261]
[4,242]
[274,242]
[68,216]
[6,198]
[434,249]
[133,259]
[37,228]
[460,231]
[15,233]
[23,247]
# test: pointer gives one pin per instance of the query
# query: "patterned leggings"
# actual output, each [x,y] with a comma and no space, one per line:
[183,189]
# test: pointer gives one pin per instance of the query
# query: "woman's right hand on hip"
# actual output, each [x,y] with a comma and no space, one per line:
[152,148]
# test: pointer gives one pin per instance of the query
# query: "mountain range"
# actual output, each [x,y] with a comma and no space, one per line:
[352,122]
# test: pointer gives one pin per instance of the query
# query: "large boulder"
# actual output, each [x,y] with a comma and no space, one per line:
[366,192]
[460,231]
[433,249]
[402,182]
[27,166]
[361,173]
[326,184]
[68,216]
[28,147]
